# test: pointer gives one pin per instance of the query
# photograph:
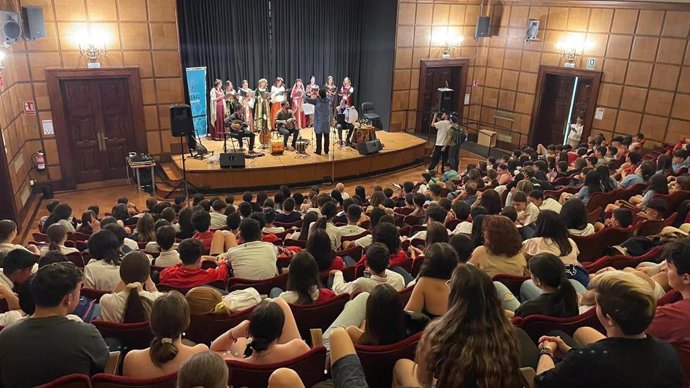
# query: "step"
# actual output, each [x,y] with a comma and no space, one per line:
[164,189]
[171,172]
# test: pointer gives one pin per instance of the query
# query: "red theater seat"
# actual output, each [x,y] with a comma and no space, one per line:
[74,380]
[378,361]
[105,380]
[309,367]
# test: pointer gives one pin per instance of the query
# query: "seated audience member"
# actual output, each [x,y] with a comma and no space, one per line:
[536,197]
[501,252]
[434,213]
[270,216]
[670,322]
[260,217]
[377,260]
[132,299]
[325,222]
[253,259]
[354,214]
[50,206]
[304,283]
[419,201]
[46,346]
[574,216]
[57,236]
[165,244]
[184,222]
[205,369]
[591,185]
[430,293]
[463,246]
[302,235]
[435,232]
[145,231]
[218,216]
[319,246]
[656,207]
[621,218]
[622,358]
[189,274]
[269,336]
[202,224]
[102,272]
[681,159]
[8,232]
[473,303]
[461,211]
[61,214]
[89,223]
[367,240]
[288,214]
[527,211]
[125,244]
[558,297]
[167,353]
[641,175]
[17,267]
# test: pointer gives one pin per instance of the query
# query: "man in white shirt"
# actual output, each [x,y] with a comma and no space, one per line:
[434,213]
[354,214]
[270,216]
[8,232]
[377,259]
[17,267]
[443,138]
[537,198]
[254,259]
[218,217]
[341,188]
[165,243]
[527,211]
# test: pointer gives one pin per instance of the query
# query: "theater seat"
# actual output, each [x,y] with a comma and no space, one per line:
[93,294]
[621,261]
[405,295]
[650,228]
[105,380]
[513,282]
[318,316]
[309,367]
[378,361]
[74,380]
[130,335]
[594,246]
[263,286]
[538,325]
[163,287]
[354,252]
[206,328]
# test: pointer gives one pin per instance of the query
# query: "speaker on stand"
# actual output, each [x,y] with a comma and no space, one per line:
[182,125]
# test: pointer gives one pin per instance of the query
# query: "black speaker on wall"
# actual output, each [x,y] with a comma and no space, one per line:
[231,160]
[483,27]
[34,24]
[370,147]
[181,122]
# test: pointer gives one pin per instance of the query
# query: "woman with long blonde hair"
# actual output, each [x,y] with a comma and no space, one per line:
[472,345]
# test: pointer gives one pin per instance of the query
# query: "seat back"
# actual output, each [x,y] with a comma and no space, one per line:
[93,294]
[318,316]
[131,335]
[354,252]
[511,281]
[76,259]
[263,286]
[673,200]
[105,380]
[593,247]
[295,243]
[600,200]
[367,107]
[411,220]
[288,225]
[378,361]
[593,216]
[538,325]
[164,287]
[206,328]
[74,380]
[309,367]
[405,295]
[650,228]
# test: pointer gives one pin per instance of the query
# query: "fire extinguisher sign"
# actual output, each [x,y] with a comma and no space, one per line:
[30,108]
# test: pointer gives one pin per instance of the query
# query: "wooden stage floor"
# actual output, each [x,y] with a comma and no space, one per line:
[399,150]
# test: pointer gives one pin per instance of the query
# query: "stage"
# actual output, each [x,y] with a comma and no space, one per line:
[269,171]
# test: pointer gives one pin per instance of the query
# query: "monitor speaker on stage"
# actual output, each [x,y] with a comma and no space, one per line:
[232,160]
[369,147]
[444,100]
[181,121]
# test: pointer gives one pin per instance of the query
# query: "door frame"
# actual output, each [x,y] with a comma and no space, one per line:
[54,78]
[462,63]
[545,70]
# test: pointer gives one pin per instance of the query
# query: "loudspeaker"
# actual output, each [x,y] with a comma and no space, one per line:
[232,160]
[181,122]
[483,27]
[444,100]
[34,24]
[10,29]
[532,30]
[370,147]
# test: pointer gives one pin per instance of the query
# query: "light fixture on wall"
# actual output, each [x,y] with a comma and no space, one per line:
[2,60]
[448,40]
[570,47]
[93,47]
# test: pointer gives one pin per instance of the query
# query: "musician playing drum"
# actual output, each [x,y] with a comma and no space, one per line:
[239,128]
[285,124]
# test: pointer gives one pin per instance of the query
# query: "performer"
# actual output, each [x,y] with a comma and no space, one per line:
[231,102]
[217,110]
[312,92]
[312,88]
[346,91]
[245,88]
[331,90]
[297,96]
[261,106]
[285,124]
[322,125]
[248,103]
[442,140]
[239,128]
[277,97]
[342,124]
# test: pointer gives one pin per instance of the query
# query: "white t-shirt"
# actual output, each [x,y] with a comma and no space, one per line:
[550,204]
[101,275]
[464,227]
[254,260]
[334,234]
[113,305]
[349,230]
[168,259]
[575,132]
[292,297]
[443,132]
[63,249]
[363,284]
[218,220]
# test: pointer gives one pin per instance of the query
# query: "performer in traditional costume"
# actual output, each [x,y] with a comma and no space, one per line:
[261,106]
[312,92]
[277,97]
[231,102]
[245,88]
[312,88]
[297,96]
[217,110]
[248,104]
[346,91]
[332,95]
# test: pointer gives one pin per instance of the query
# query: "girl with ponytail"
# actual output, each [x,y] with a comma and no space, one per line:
[269,336]
[57,236]
[328,211]
[132,299]
[558,297]
[169,319]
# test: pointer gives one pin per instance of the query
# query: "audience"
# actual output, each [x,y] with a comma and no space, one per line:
[205,369]
[102,272]
[189,273]
[253,259]
[501,251]
[430,293]
[377,272]
[304,284]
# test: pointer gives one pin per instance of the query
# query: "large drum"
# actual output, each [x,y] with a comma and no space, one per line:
[302,145]
[364,134]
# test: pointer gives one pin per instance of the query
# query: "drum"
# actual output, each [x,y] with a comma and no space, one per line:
[302,145]
[364,134]
[277,148]
[351,115]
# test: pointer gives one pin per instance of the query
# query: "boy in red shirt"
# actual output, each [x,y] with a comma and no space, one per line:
[189,274]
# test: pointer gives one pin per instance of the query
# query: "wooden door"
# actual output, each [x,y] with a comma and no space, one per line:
[553,117]
[435,74]
[436,78]
[98,115]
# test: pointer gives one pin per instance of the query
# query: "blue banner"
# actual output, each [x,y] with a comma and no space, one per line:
[196,84]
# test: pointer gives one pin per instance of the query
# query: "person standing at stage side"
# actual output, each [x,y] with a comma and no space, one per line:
[347,90]
[443,138]
[457,137]
[285,124]
[217,110]
[277,97]
[297,97]
[261,105]
[322,123]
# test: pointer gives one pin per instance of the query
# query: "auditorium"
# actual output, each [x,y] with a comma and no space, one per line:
[324,193]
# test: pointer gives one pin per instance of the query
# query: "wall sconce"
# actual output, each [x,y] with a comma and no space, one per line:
[448,40]
[2,60]
[570,48]
[93,48]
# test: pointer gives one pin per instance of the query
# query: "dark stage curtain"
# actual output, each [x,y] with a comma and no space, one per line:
[230,38]
[317,37]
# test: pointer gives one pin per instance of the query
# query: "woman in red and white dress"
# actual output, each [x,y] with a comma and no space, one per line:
[297,96]
[217,110]
[346,91]
[277,97]
[312,93]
